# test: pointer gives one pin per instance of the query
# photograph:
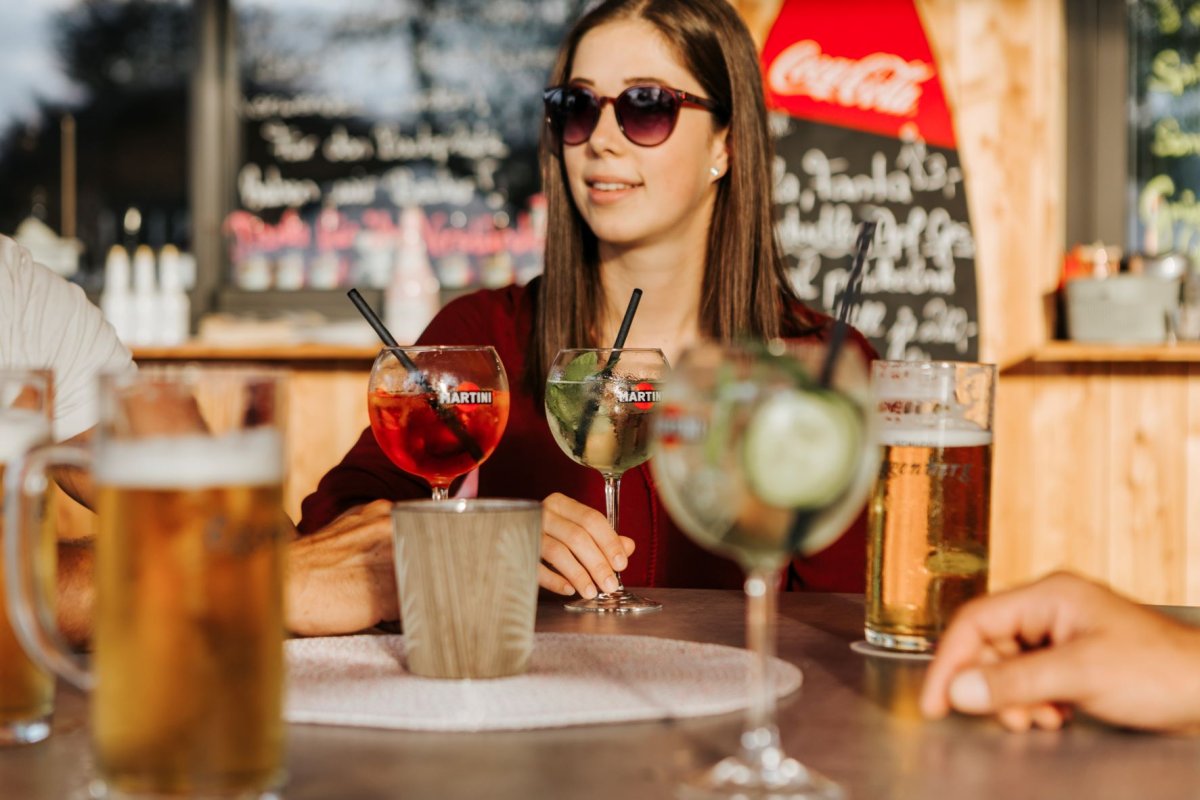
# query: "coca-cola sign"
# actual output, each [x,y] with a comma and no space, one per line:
[822,62]
[882,82]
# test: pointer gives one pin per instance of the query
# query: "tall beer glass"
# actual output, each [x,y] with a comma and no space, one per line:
[927,545]
[188,470]
[26,689]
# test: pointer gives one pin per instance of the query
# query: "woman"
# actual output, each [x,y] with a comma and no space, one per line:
[656,164]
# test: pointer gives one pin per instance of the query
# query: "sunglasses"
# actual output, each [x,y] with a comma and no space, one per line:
[645,114]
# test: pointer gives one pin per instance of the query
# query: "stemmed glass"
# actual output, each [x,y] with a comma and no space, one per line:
[598,404]
[438,412]
[756,460]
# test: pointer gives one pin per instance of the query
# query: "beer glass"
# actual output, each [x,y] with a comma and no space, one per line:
[188,469]
[26,689]
[927,545]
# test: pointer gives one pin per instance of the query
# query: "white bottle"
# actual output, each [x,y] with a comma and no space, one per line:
[174,308]
[411,298]
[145,297]
[115,300]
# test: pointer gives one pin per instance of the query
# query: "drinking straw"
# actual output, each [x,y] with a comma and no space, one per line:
[447,415]
[850,299]
[803,518]
[593,403]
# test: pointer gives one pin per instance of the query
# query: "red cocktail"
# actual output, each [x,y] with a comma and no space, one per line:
[442,414]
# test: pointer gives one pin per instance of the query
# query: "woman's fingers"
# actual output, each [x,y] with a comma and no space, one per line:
[581,546]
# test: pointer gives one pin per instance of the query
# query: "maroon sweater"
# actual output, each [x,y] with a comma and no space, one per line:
[529,464]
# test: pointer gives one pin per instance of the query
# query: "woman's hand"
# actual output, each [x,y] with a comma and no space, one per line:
[580,552]
[342,579]
[1029,654]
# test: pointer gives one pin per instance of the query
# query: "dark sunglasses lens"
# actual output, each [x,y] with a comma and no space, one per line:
[574,112]
[647,114]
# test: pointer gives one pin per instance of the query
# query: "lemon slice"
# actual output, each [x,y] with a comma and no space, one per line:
[801,448]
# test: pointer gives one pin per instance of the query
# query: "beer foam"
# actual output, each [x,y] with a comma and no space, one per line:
[245,458]
[20,429]
[934,437]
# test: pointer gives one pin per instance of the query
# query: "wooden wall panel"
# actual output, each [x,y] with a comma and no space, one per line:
[1002,64]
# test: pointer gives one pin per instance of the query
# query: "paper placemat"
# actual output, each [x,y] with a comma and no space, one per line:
[573,679]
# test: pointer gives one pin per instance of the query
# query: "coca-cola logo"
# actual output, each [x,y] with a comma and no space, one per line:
[881,82]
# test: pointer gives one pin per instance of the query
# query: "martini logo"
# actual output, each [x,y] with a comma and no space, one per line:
[642,396]
[880,82]
[467,394]
[674,427]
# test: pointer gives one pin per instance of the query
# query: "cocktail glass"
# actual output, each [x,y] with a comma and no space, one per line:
[757,461]
[598,404]
[438,412]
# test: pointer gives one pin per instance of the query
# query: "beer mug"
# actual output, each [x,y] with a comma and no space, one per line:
[188,468]
[928,516]
[26,689]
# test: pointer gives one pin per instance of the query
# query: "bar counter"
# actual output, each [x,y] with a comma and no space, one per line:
[854,719]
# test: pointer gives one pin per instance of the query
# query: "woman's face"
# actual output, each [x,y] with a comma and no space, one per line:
[631,195]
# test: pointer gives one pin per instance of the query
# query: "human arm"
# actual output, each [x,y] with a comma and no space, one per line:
[342,579]
[1025,653]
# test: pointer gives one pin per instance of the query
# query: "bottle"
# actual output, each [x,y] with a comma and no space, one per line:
[145,297]
[115,301]
[411,298]
[174,308]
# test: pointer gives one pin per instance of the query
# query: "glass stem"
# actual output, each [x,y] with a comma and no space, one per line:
[760,737]
[441,492]
[612,497]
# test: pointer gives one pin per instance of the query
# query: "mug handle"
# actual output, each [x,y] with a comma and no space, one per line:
[31,612]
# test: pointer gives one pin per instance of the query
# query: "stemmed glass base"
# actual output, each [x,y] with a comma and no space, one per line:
[621,601]
[736,778]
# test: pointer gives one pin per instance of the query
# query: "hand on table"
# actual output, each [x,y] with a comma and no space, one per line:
[1029,655]
[580,552]
[342,579]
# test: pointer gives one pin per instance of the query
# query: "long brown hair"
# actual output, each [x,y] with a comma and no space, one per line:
[745,292]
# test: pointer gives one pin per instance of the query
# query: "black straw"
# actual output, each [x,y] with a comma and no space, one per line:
[593,404]
[446,415]
[850,298]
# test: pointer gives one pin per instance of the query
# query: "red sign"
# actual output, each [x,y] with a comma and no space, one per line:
[861,64]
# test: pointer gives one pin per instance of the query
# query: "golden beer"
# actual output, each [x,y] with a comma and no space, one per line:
[26,690]
[927,544]
[189,618]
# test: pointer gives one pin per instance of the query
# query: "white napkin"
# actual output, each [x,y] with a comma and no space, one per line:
[574,679]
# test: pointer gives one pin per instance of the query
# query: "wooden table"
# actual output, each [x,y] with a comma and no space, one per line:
[855,719]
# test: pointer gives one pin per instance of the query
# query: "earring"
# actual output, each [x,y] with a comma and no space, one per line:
[716,173]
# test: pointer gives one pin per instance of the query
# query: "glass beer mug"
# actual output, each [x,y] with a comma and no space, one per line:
[26,689]
[187,686]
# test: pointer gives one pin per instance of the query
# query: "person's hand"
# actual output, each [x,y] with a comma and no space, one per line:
[580,552]
[341,579]
[1031,654]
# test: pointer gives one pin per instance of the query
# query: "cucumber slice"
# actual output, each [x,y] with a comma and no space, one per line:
[801,448]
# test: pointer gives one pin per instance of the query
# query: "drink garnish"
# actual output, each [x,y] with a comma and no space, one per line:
[593,403]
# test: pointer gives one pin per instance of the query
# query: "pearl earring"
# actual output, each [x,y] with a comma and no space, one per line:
[716,173]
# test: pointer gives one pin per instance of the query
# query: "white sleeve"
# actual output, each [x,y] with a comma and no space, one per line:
[51,324]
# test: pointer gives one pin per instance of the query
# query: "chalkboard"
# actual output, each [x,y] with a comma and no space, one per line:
[919,286]
[352,111]
[1165,127]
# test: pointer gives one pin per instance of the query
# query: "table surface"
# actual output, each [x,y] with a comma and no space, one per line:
[854,719]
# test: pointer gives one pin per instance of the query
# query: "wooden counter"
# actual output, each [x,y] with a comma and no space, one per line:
[1097,447]
[326,400]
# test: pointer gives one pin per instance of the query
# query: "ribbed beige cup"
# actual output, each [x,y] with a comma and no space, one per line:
[467,575]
